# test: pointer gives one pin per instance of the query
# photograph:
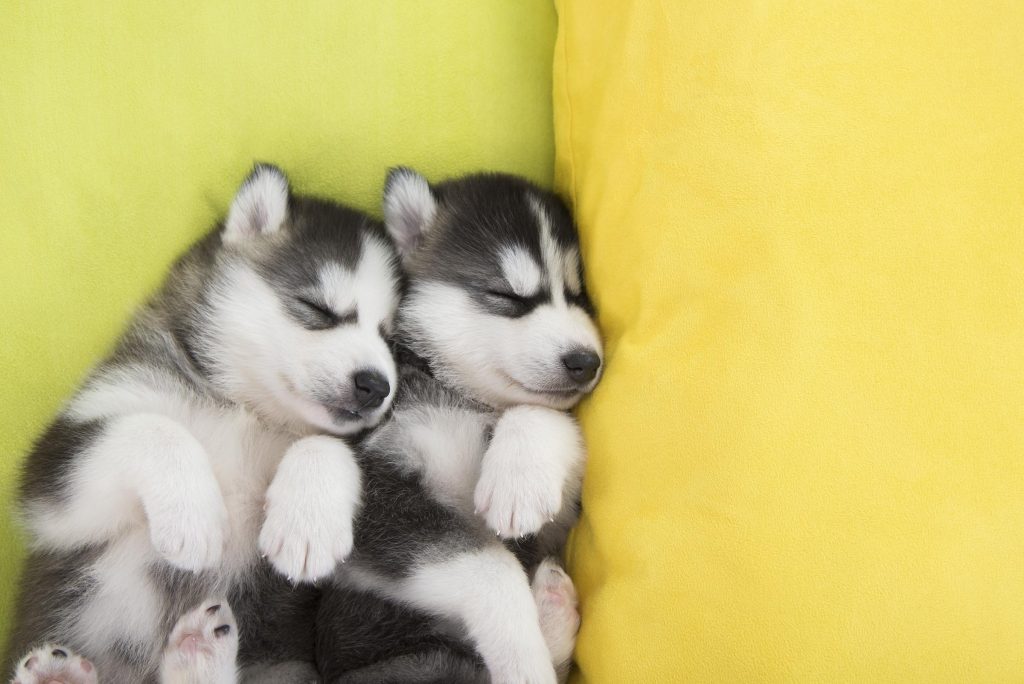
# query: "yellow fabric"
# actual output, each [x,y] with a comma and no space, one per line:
[125,128]
[804,228]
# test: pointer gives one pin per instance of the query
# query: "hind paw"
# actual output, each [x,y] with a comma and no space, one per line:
[556,607]
[202,647]
[53,664]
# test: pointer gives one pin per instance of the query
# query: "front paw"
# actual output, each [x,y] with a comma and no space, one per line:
[516,496]
[189,532]
[52,664]
[310,507]
[300,547]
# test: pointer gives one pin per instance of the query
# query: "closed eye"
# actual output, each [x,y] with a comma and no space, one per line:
[324,317]
[316,308]
[510,304]
[508,296]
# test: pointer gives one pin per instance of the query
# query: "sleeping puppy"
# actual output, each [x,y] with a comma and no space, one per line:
[188,450]
[496,340]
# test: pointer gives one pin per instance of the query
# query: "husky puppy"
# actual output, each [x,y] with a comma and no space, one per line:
[496,339]
[209,435]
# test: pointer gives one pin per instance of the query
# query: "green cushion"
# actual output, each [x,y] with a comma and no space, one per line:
[125,128]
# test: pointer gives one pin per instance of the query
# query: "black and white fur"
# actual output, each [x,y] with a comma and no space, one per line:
[210,434]
[498,340]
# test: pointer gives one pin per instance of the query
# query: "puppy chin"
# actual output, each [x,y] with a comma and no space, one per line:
[374,419]
[317,417]
[314,415]
[534,392]
[505,391]
[564,403]
[560,402]
[341,426]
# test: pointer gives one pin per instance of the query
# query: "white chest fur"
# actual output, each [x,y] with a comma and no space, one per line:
[240,450]
[445,444]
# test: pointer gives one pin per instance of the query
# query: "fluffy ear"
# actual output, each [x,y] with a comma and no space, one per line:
[409,208]
[260,205]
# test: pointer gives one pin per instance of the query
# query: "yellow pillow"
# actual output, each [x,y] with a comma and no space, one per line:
[804,228]
[125,128]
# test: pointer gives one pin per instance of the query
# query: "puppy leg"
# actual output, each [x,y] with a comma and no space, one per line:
[533,464]
[148,459]
[203,647]
[310,508]
[53,664]
[487,590]
[559,619]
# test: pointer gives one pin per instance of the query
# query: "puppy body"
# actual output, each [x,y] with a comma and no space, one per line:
[497,341]
[171,469]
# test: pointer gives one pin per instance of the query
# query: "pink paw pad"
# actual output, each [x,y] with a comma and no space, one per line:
[53,664]
[200,631]
[557,611]
[555,595]
[203,645]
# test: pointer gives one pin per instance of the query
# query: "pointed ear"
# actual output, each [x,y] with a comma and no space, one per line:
[260,205]
[409,208]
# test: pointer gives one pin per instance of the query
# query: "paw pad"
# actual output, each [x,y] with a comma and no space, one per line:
[50,664]
[204,642]
[556,607]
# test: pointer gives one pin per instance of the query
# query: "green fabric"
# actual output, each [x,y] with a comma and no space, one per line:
[125,128]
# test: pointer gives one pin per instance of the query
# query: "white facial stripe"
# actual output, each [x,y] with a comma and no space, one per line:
[550,254]
[337,287]
[377,301]
[571,264]
[362,291]
[521,271]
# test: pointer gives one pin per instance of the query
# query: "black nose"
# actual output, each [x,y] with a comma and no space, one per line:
[582,365]
[371,388]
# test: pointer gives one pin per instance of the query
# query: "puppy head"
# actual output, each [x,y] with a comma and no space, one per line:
[305,294]
[496,300]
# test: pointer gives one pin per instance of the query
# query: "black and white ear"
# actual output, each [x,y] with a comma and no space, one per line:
[409,208]
[260,205]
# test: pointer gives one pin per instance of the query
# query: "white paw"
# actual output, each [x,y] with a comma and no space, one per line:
[517,493]
[189,531]
[555,595]
[535,459]
[300,552]
[202,647]
[53,664]
[310,507]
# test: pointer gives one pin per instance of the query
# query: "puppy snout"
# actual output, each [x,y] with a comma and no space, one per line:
[371,388]
[581,365]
